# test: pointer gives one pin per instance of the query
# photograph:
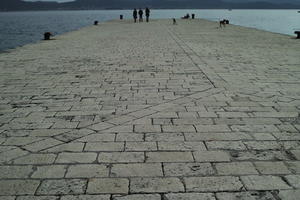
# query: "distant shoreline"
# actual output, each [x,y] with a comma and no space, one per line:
[231,9]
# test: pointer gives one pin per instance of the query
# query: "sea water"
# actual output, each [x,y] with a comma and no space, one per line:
[20,28]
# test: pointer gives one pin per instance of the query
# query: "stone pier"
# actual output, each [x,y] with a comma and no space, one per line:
[152,111]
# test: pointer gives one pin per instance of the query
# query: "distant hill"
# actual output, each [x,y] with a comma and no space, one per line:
[15,5]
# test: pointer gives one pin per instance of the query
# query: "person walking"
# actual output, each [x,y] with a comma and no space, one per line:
[134,15]
[147,12]
[141,15]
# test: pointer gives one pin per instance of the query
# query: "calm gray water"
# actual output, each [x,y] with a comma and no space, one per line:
[19,28]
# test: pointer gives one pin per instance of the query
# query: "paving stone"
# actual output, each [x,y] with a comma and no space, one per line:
[255,128]
[166,137]
[12,154]
[181,146]
[225,145]
[37,198]
[255,182]
[121,157]
[169,157]
[76,157]
[296,153]
[155,185]
[189,196]
[263,145]
[259,156]
[289,194]
[136,170]
[50,171]
[62,186]
[85,197]
[18,187]
[235,168]
[212,128]
[245,196]
[233,136]
[69,147]
[178,128]
[188,169]
[36,159]
[262,136]
[104,146]
[15,171]
[294,180]
[121,129]
[108,186]
[130,137]
[20,141]
[41,145]
[213,184]
[8,198]
[272,168]
[140,146]
[293,166]
[100,126]
[87,171]
[147,128]
[137,197]
[192,121]
[98,138]
[211,156]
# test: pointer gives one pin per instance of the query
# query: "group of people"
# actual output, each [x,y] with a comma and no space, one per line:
[141,13]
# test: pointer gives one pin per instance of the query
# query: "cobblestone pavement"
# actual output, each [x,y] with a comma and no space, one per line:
[125,111]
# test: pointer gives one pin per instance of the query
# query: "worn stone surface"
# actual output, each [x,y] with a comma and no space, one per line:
[18,187]
[190,196]
[138,197]
[155,185]
[108,186]
[62,186]
[175,112]
[255,182]
[87,171]
[213,184]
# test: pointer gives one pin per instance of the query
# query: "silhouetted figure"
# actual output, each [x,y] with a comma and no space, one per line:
[224,22]
[95,23]
[134,15]
[141,15]
[47,35]
[193,16]
[147,12]
[121,17]
[174,21]
[187,16]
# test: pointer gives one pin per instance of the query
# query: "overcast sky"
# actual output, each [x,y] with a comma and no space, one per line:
[274,1]
[51,0]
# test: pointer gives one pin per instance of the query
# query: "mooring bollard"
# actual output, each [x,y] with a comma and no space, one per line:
[95,23]
[121,17]
[47,35]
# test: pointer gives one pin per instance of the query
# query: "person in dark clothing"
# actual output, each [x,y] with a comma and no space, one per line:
[147,12]
[134,15]
[141,15]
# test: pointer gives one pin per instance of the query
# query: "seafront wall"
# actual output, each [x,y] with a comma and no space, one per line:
[151,111]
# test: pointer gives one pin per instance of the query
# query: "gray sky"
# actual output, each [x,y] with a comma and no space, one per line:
[51,0]
[274,1]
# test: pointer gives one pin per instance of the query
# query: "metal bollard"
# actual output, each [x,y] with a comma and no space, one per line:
[47,35]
